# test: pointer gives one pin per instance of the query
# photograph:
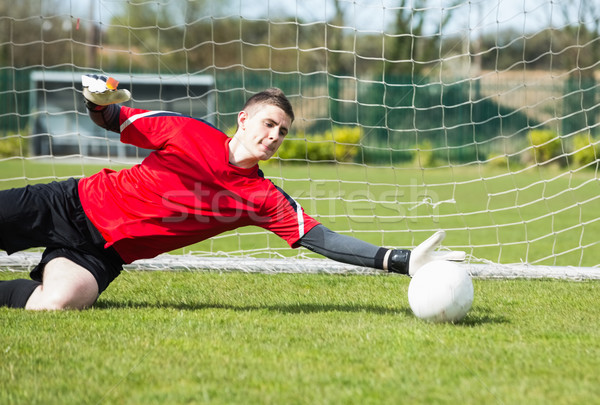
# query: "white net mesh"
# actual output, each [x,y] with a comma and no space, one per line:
[480,118]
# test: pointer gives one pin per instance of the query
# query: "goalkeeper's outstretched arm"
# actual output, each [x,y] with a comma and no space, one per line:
[354,251]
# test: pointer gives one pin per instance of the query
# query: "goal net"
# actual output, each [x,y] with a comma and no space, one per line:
[476,117]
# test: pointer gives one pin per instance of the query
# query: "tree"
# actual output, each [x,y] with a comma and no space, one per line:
[581,107]
[36,32]
[409,50]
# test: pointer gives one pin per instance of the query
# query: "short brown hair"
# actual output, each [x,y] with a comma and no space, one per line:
[271,96]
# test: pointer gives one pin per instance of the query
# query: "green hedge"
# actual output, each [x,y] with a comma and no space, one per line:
[340,144]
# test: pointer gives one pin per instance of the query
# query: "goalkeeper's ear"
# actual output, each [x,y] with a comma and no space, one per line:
[102,90]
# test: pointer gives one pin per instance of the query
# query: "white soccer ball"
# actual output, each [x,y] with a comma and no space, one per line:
[441,291]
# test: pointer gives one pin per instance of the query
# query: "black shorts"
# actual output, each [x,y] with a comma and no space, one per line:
[51,216]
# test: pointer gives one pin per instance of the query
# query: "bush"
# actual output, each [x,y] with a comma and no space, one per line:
[498,161]
[546,145]
[346,142]
[586,151]
[341,144]
[424,156]
[12,145]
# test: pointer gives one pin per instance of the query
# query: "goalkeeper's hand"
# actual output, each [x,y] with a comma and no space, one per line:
[425,253]
[102,90]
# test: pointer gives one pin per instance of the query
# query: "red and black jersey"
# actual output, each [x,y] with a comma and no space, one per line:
[184,192]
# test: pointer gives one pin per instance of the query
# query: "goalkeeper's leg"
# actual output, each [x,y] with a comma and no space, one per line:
[66,285]
[76,266]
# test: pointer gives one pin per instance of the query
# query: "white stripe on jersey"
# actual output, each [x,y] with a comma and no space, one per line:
[296,206]
[133,118]
[300,219]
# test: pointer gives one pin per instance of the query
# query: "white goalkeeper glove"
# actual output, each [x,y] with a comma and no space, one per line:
[102,90]
[425,253]
[409,262]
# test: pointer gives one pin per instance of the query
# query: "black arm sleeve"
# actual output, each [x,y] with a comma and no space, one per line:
[347,249]
[105,116]
[343,248]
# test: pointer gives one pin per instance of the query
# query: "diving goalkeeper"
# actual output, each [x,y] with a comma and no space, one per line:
[196,183]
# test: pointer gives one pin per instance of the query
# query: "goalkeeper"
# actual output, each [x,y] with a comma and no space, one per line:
[196,183]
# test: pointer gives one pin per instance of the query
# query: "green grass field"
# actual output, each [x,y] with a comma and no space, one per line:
[235,338]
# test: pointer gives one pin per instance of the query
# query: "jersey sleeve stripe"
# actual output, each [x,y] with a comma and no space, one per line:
[300,219]
[136,117]
[297,208]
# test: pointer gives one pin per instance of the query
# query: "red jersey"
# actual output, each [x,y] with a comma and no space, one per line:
[184,192]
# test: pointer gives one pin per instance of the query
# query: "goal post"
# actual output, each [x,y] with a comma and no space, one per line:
[477,118]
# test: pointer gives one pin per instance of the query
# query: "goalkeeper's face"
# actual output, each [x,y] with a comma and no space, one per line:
[263,129]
